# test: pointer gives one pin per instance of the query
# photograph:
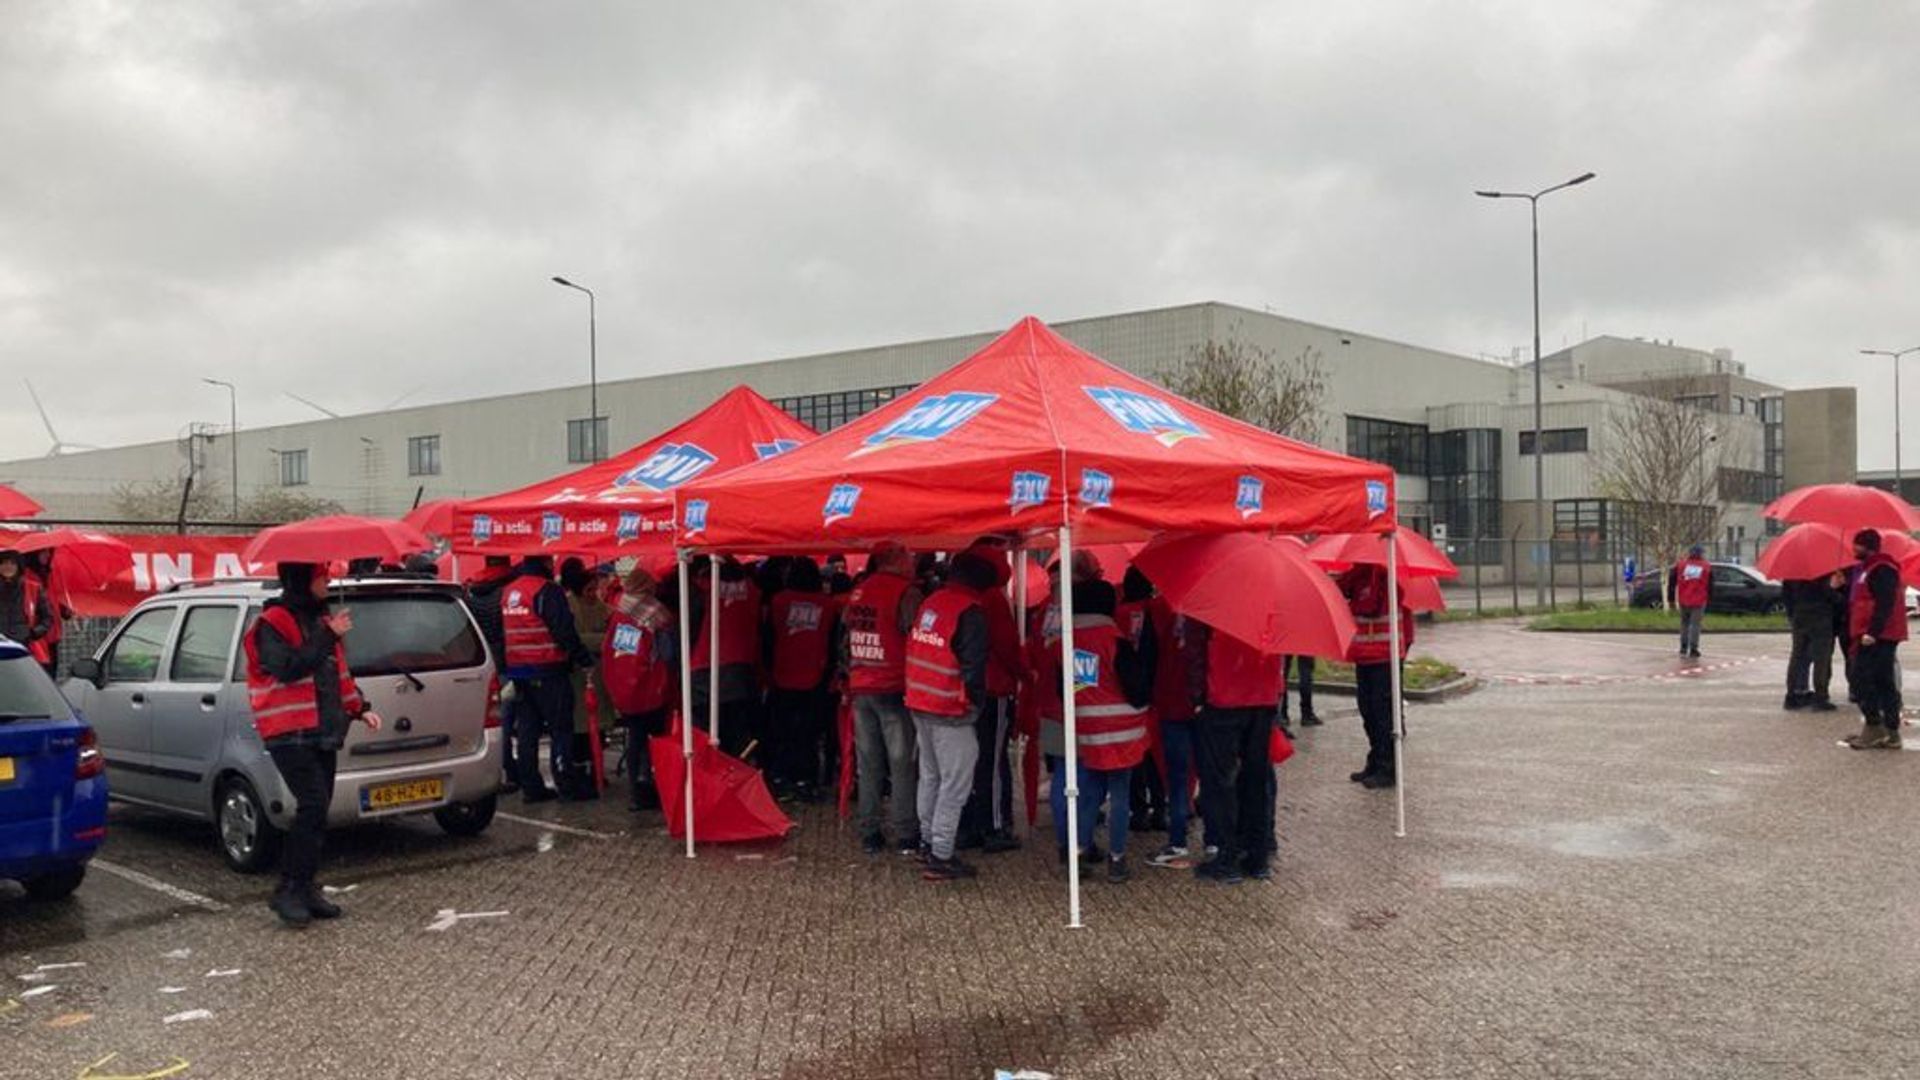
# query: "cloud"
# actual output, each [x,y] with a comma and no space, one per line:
[350,202]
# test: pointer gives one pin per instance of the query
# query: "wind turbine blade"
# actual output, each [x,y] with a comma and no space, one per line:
[311,405]
[45,420]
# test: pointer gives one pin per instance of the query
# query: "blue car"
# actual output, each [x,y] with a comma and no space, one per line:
[53,783]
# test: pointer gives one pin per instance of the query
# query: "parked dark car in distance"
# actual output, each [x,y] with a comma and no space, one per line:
[1736,590]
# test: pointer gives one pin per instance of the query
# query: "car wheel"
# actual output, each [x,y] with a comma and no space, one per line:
[248,840]
[55,886]
[467,819]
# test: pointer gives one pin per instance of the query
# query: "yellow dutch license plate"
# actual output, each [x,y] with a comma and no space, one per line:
[6,770]
[405,793]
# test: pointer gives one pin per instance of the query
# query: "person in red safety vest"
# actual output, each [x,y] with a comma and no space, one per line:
[543,649]
[1236,691]
[1691,584]
[800,631]
[303,700]
[639,663]
[53,594]
[946,671]
[1112,691]
[1365,588]
[25,616]
[1134,617]
[987,821]
[875,621]
[742,612]
[1876,625]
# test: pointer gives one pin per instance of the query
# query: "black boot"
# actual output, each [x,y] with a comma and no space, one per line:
[291,905]
[319,905]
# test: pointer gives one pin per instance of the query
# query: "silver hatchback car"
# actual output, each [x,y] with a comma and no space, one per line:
[167,694]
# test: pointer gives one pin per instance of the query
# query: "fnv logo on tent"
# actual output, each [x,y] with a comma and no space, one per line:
[1086,669]
[931,418]
[628,528]
[551,526]
[1376,498]
[1029,489]
[1250,499]
[482,528]
[669,467]
[696,516]
[1096,488]
[1144,414]
[840,503]
[626,640]
[764,450]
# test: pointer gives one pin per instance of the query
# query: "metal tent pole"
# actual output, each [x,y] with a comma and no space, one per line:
[686,688]
[1399,711]
[1071,756]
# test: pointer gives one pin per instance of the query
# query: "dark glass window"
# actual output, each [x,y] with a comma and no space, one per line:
[1556,441]
[824,412]
[585,441]
[423,455]
[1403,447]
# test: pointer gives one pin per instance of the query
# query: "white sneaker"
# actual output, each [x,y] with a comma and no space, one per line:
[1212,851]
[1173,855]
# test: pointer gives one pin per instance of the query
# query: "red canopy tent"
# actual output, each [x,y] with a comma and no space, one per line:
[625,504]
[1032,437]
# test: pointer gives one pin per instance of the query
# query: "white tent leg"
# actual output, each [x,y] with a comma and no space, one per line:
[713,650]
[1399,710]
[686,691]
[1071,759]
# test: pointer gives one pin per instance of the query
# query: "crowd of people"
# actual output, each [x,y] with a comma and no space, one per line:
[924,655]
[1863,610]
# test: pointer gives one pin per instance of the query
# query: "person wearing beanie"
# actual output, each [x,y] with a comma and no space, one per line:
[1876,625]
[1691,586]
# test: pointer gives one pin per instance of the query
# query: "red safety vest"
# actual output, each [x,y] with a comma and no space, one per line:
[636,681]
[529,642]
[935,684]
[284,708]
[1241,677]
[739,627]
[1860,603]
[1110,732]
[1373,630]
[876,650]
[1691,578]
[30,596]
[802,628]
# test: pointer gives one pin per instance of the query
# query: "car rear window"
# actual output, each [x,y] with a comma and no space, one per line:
[25,691]
[414,632]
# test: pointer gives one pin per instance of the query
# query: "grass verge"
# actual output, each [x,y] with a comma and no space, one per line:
[1651,621]
[1422,673]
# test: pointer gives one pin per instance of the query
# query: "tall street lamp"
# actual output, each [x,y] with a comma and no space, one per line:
[233,438]
[1539,440]
[1896,355]
[593,368]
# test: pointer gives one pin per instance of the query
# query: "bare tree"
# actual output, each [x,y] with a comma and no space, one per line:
[1246,382]
[1663,465]
[158,501]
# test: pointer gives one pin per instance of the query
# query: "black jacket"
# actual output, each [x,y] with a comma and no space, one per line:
[313,658]
[16,622]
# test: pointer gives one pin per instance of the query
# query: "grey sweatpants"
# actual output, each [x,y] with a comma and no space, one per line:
[1690,618]
[949,750]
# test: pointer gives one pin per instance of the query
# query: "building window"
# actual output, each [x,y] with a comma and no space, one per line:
[423,455]
[293,468]
[586,440]
[1463,492]
[1403,447]
[1571,440]
[824,412]
[1580,530]
[1708,402]
[1743,485]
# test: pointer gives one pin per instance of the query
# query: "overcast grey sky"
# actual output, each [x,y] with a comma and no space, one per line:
[357,201]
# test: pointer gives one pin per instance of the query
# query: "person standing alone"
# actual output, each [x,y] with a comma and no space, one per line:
[1691,583]
[1876,625]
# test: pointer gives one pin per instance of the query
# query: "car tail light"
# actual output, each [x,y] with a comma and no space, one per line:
[85,836]
[493,703]
[89,764]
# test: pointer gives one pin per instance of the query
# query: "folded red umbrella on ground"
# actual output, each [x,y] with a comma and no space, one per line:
[1256,588]
[731,802]
[1805,552]
[342,536]
[1417,556]
[88,561]
[1279,747]
[15,505]
[1850,506]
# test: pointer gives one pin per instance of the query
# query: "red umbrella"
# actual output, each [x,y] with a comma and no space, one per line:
[87,560]
[15,505]
[434,517]
[1259,589]
[730,798]
[1422,594]
[1849,506]
[342,536]
[1806,552]
[1417,556]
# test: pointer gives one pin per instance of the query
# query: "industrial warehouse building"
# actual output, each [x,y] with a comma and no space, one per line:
[1456,429]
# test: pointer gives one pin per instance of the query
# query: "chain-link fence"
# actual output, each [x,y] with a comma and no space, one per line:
[1500,573]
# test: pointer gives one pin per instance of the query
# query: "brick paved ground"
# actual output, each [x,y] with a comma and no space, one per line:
[1650,876]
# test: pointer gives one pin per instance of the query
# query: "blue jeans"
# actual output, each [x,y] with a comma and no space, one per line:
[1113,786]
[1176,741]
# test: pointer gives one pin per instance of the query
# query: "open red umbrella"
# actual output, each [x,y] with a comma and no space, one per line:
[1417,556]
[1422,594]
[15,505]
[1806,552]
[730,798]
[434,517]
[88,561]
[1259,589]
[342,536]
[1849,506]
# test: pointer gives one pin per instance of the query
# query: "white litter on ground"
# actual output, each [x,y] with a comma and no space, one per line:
[446,918]
[173,989]
[61,967]
[37,991]
[220,973]
[337,889]
[177,954]
[184,1017]
[544,844]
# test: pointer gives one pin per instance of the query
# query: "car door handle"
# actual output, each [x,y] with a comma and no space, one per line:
[208,701]
[138,698]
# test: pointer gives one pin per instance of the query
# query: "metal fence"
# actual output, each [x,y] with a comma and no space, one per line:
[1499,574]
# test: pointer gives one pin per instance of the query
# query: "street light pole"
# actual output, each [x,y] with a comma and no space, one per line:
[593,368]
[1539,433]
[1895,355]
[233,438]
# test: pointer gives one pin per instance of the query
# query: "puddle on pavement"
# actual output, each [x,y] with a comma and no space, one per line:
[1606,839]
[1091,1023]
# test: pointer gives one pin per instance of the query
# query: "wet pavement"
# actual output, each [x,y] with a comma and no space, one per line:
[1615,868]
